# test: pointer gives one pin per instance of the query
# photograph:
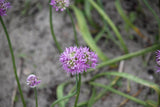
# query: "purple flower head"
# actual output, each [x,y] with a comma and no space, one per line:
[60,4]
[33,81]
[158,57]
[76,60]
[4,6]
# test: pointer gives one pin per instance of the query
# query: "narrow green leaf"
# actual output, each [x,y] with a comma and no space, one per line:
[67,96]
[100,94]
[120,93]
[121,12]
[91,100]
[106,17]
[99,35]
[127,56]
[151,103]
[133,78]
[88,14]
[86,34]
[70,92]
[128,21]
[108,35]
[155,15]
[60,93]
[128,76]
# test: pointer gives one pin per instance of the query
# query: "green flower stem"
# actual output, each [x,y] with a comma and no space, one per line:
[52,30]
[35,92]
[78,91]
[119,93]
[127,56]
[13,61]
[74,28]
[68,96]
[101,94]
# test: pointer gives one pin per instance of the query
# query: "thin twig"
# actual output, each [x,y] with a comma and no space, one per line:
[121,66]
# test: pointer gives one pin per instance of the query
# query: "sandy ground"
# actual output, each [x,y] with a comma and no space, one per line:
[30,35]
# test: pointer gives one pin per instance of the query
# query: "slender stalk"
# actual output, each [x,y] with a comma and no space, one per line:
[52,30]
[78,91]
[35,92]
[68,96]
[13,61]
[74,28]
[101,94]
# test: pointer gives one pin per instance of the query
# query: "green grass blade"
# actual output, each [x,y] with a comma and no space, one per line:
[70,92]
[99,35]
[100,94]
[127,76]
[151,103]
[122,14]
[128,21]
[60,93]
[154,14]
[91,100]
[127,56]
[109,34]
[87,10]
[133,78]
[106,17]
[66,97]
[120,93]
[86,34]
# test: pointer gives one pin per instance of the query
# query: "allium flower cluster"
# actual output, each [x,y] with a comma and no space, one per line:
[33,81]
[158,60]
[60,4]
[76,60]
[4,6]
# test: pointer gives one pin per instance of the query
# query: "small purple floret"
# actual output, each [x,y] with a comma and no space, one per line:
[4,6]
[33,81]
[77,60]
[158,69]
[60,4]
[158,60]
[158,57]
